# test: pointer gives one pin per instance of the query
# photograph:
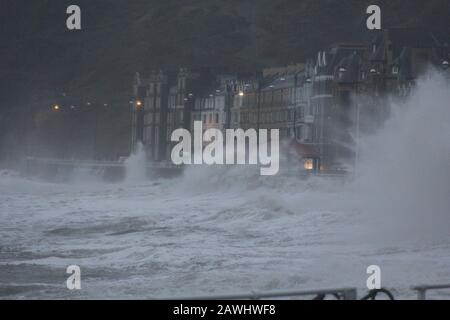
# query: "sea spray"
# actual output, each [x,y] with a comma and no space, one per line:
[136,165]
[403,183]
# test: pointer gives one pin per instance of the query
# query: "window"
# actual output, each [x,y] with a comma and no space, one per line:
[148,134]
[156,135]
[298,133]
[278,96]
[309,164]
[306,133]
[395,70]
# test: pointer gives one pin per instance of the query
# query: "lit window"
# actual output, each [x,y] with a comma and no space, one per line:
[309,164]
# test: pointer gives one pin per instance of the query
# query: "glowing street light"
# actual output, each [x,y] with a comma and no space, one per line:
[445,64]
[56,108]
[241,93]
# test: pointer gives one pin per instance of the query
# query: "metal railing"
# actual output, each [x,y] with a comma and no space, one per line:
[422,290]
[340,294]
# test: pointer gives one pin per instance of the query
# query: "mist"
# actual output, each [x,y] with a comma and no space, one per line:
[403,176]
[226,228]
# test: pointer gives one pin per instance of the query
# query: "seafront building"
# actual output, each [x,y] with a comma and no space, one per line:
[321,107]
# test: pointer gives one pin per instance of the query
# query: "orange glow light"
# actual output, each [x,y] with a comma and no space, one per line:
[309,164]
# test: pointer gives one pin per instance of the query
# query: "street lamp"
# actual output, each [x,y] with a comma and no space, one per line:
[445,64]
[241,93]
[56,108]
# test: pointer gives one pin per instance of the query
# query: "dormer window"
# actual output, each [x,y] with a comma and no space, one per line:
[395,70]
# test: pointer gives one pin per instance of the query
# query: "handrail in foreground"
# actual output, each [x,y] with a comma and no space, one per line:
[341,293]
[422,290]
